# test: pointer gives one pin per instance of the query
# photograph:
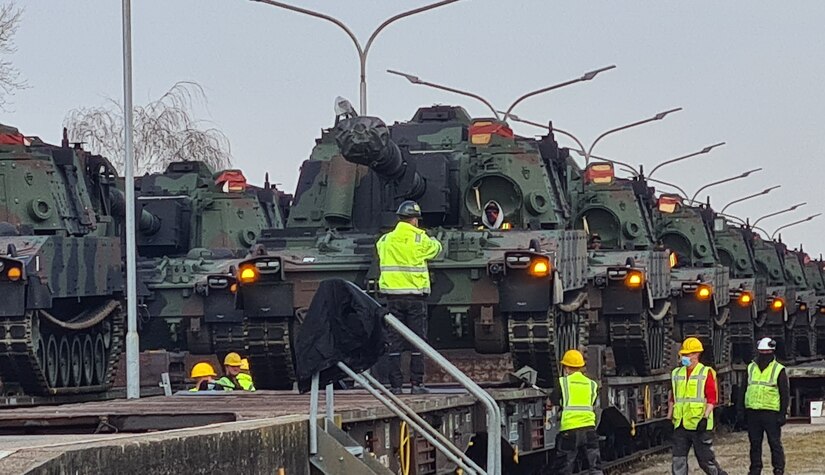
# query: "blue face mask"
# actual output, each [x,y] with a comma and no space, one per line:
[685,361]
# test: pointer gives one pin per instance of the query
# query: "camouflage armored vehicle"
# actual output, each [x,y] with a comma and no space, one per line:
[61,271]
[510,278]
[194,228]
[748,287]
[699,282]
[629,276]
[816,278]
[801,316]
[780,294]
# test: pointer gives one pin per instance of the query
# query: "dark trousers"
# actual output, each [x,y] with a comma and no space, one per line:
[760,423]
[412,311]
[569,444]
[702,443]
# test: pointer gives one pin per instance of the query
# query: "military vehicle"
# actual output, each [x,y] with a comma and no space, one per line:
[748,287]
[194,228]
[801,319]
[61,271]
[780,294]
[511,278]
[629,276]
[816,277]
[699,282]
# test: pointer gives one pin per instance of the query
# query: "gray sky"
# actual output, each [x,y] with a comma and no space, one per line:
[748,72]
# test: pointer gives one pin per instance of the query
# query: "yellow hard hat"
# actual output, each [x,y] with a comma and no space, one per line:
[232,359]
[573,359]
[202,370]
[691,345]
[244,364]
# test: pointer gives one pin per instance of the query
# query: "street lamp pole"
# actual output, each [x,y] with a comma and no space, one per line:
[418,81]
[685,157]
[780,228]
[726,180]
[777,213]
[659,116]
[363,52]
[584,77]
[132,339]
[661,182]
[755,195]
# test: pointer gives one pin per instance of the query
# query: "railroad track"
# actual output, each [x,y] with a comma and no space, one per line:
[622,465]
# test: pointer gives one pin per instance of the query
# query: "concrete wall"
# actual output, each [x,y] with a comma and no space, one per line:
[248,447]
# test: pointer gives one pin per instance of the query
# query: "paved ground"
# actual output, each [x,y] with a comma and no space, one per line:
[804,450]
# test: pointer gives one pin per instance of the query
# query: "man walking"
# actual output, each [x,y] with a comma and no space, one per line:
[405,281]
[766,403]
[577,394]
[692,399]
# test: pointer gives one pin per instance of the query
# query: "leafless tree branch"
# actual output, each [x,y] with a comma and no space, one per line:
[10,80]
[165,131]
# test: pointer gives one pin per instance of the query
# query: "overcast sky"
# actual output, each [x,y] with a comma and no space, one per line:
[747,72]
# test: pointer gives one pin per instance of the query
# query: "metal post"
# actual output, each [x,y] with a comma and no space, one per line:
[414,416]
[493,411]
[445,449]
[313,414]
[329,392]
[132,340]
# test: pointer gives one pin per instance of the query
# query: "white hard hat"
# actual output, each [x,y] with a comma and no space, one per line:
[766,344]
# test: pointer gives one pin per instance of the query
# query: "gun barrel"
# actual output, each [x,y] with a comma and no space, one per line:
[147,222]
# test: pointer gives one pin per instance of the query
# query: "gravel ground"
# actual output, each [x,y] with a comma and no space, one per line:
[804,453]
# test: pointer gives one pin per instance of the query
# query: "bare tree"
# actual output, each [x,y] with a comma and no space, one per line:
[10,80]
[165,131]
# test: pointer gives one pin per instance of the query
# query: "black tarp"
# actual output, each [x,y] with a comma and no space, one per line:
[342,324]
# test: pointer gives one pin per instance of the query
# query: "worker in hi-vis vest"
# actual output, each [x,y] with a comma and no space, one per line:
[766,403]
[576,395]
[405,282]
[690,406]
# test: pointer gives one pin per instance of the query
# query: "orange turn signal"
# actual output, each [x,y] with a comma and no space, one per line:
[777,303]
[634,279]
[540,268]
[703,292]
[14,274]
[248,274]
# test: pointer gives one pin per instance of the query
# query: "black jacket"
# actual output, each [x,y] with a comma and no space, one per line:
[342,324]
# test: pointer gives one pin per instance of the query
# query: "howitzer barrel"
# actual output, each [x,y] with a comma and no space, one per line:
[147,222]
[366,141]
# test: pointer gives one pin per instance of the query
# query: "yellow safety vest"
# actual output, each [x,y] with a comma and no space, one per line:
[689,396]
[763,387]
[403,254]
[578,398]
[245,381]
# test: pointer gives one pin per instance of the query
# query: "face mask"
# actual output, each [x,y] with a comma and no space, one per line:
[764,358]
[685,361]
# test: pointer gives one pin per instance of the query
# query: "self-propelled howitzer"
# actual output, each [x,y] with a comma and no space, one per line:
[61,272]
[781,293]
[510,277]
[699,282]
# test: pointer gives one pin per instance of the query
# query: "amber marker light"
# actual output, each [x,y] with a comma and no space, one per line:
[745,299]
[233,288]
[703,292]
[777,304]
[634,279]
[540,268]
[14,274]
[248,274]
[673,260]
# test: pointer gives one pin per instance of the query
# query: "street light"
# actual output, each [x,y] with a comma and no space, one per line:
[726,180]
[584,77]
[659,116]
[777,213]
[685,157]
[418,81]
[745,198]
[362,52]
[661,182]
[132,339]
[780,228]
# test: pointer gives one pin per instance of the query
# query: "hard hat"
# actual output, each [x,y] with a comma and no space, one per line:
[244,364]
[573,359]
[202,370]
[766,344]
[232,359]
[691,345]
[409,209]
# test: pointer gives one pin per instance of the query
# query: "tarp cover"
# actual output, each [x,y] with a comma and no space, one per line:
[343,324]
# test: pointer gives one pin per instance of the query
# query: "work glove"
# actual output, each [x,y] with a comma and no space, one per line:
[781,418]
[703,425]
